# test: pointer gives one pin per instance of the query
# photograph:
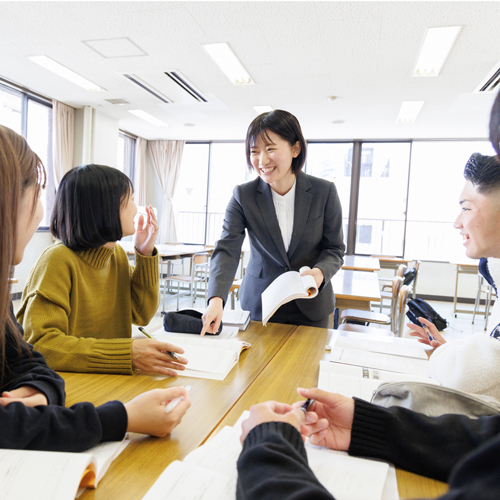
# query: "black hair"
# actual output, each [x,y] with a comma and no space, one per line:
[86,210]
[495,125]
[483,172]
[286,126]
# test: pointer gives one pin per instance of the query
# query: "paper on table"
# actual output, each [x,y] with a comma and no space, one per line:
[348,386]
[393,347]
[391,491]
[386,362]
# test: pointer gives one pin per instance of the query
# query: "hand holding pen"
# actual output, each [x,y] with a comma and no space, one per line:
[427,333]
[153,355]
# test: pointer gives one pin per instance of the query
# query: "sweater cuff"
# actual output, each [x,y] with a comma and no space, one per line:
[112,356]
[147,269]
[369,430]
[49,391]
[262,432]
[114,420]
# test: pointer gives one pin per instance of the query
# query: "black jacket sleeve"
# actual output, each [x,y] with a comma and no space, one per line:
[429,446]
[273,465]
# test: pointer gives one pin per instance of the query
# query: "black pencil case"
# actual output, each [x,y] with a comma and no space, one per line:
[185,321]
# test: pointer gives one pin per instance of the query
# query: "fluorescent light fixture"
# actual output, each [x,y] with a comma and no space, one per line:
[437,45]
[149,118]
[262,109]
[61,70]
[227,61]
[409,111]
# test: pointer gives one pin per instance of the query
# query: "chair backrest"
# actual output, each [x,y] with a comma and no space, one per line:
[404,296]
[397,283]
[401,270]
[383,256]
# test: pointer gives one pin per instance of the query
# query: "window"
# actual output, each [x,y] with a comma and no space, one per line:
[31,117]
[383,187]
[126,155]
[190,198]
[436,182]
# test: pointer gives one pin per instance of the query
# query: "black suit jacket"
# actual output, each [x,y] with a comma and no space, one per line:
[317,241]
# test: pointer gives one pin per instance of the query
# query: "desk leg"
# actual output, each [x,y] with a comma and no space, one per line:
[455,298]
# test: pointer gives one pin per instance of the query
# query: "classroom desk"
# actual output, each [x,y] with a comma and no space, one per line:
[361,263]
[470,267]
[287,371]
[355,289]
[168,250]
[137,468]
[392,262]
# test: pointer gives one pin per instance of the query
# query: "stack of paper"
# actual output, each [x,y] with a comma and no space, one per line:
[240,319]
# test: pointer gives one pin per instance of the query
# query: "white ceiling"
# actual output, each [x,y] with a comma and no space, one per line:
[298,53]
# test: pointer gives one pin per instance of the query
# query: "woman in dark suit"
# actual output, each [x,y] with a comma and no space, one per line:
[293,220]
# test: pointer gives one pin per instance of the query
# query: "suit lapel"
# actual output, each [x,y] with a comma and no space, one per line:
[266,207]
[303,200]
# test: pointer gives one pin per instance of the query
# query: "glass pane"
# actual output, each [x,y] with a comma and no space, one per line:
[126,155]
[435,186]
[228,167]
[10,109]
[383,185]
[120,160]
[40,140]
[333,161]
[191,194]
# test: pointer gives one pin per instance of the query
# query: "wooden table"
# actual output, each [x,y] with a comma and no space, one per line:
[392,262]
[355,289]
[470,267]
[361,263]
[168,250]
[138,467]
[282,376]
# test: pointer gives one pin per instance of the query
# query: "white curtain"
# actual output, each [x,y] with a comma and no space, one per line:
[141,171]
[166,158]
[63,139]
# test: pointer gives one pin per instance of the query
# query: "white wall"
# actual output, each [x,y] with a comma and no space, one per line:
[105,139]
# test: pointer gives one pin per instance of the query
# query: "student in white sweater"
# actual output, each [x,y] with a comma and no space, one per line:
[473,364]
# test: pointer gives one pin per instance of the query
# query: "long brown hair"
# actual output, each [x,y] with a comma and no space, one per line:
[20,169]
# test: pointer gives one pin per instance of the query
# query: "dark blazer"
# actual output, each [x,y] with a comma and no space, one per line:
[317,241]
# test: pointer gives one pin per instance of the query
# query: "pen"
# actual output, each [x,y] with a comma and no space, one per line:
[306,405]
[175,401]
[427,331]
[149,336]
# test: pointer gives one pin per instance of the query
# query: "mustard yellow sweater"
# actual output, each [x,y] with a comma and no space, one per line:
[78,307]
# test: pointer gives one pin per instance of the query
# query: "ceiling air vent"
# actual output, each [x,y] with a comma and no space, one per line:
[492,81]
[168,83]
[119,102]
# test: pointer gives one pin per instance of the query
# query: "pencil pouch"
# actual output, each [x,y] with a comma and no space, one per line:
[185,321]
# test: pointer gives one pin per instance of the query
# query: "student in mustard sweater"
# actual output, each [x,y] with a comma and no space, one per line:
[82,295]
[32,412]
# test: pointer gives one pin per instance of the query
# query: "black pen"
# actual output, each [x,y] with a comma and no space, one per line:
[149,336]
[306,405]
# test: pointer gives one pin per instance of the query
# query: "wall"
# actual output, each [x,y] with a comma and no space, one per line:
[105,139]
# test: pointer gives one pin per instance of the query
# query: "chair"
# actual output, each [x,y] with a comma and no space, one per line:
[192,279]
[387,283]
[378,318]
[486,288]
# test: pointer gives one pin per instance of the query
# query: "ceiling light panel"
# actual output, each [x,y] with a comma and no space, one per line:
[229,64]
[147,117]
[115,47]
[436,48]
[409,111]
[66,73]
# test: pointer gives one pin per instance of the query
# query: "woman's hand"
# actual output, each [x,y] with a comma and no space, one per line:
[317,274]
[145,235]
[150,355]
[329,418]
[417,331]
[213,316]
[26,395]
[146,413]
[272,411]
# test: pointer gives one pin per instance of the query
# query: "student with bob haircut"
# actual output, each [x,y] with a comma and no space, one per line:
[82,295]
[32,412]
[292,219]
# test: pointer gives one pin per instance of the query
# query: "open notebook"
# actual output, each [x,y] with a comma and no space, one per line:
[50,475]
[209,473]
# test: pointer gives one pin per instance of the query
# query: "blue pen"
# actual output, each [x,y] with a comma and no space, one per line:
[428,332]
[149,336]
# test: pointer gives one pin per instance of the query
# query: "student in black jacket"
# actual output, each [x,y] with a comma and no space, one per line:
[32,412]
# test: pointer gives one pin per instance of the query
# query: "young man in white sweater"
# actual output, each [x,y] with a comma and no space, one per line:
[473,364]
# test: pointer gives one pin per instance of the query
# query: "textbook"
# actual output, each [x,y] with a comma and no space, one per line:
[285,288]
[241,319]
[54,475]
[209,472]
[207,357]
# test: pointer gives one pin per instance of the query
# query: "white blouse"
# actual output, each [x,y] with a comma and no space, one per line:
[285,209]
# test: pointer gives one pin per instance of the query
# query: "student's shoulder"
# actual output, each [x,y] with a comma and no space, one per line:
[56,254]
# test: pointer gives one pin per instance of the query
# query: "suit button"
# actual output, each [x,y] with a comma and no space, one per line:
[286,269]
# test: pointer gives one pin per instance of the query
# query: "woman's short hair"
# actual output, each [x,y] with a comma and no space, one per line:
[86,211]
[283,124]
[483,172]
